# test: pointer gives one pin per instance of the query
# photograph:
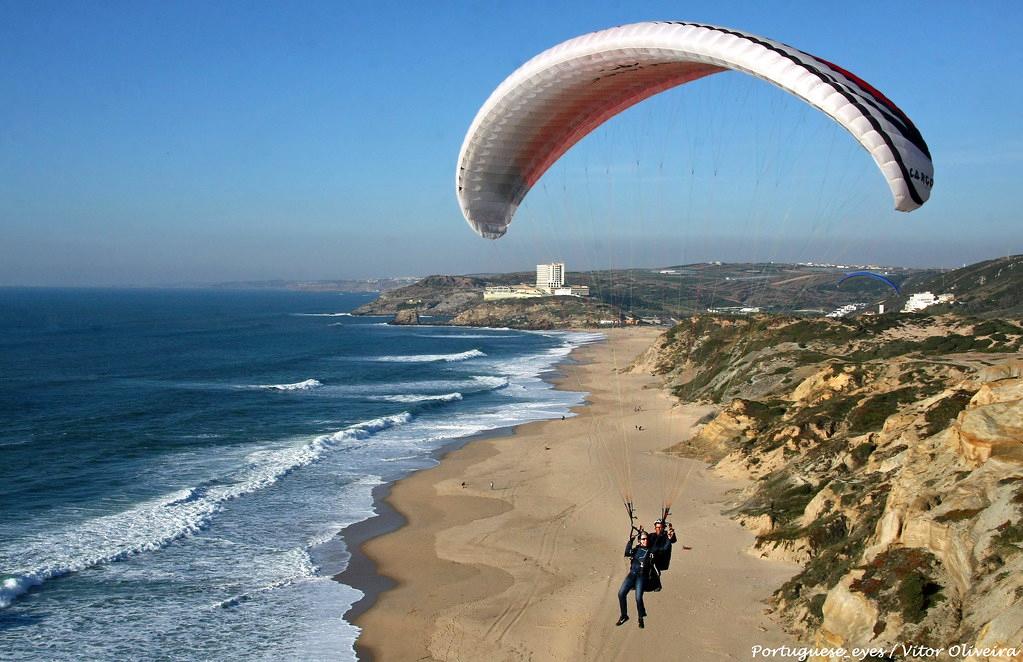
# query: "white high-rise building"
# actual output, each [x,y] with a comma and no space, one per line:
[550,277]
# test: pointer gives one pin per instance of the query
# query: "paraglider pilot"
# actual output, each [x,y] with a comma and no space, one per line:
[641,570]
[660,544]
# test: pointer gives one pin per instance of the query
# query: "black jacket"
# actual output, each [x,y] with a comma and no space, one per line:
[661,542]
[642,558]
[660,545]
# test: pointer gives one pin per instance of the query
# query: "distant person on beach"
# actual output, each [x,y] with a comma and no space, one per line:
[641,574]
[661,541]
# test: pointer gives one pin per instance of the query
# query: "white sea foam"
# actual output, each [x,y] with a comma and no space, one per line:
[322,314]
[430,358]
[295,565]
[531,366]
[470,384]
[303,385]
[468,335]
[413,397]
[489,382]
[153,524]
[474,384]
[400,458]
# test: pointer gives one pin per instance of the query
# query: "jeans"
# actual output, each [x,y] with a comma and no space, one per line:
[632,580]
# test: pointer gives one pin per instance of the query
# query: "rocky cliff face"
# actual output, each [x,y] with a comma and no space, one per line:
[886,457]
[434,295]
[541,313]
[406,317]
[460,298]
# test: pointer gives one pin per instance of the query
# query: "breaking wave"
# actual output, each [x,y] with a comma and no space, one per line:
[429,358]
[303,385]
[153,524]
[322,314]
[443,397]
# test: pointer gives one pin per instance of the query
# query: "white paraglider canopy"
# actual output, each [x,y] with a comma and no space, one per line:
[555,99]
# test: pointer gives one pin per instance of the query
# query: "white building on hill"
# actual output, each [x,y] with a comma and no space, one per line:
[495,292]
[922,300]
[550,280]
[572,291]
[550,277]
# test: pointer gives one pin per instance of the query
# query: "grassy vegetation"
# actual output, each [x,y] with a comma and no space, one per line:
[833,561]
[944,411]
[831,411]
[871,413]
[959,515]
[883,351]
[780,498]
[996,327]
[819,534]
[765,413]
[954,343]
[816,607]
[862,452]
[1006,543]
[900,580]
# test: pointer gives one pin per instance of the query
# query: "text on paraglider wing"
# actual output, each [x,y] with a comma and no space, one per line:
[927,180]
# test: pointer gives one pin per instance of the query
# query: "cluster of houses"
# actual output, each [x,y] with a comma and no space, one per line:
[922,300]
[550,281]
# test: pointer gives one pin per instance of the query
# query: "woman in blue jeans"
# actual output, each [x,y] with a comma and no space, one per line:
[640,567]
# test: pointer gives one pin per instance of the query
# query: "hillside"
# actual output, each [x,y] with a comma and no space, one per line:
[681,291]
[672,292]
[993,288]
[433,295]
[542,313]
[886,455]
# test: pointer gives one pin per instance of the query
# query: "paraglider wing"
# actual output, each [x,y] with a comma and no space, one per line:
[871,274]
[555,99]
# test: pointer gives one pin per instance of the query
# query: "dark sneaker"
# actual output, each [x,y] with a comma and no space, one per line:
[622,620]
[640,623]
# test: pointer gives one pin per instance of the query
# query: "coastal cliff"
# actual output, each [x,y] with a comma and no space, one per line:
[540,313]
[433,295]
[458,300]
[406,317]
[886,457]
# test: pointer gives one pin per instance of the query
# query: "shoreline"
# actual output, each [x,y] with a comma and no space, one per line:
[511,546]
[361,571]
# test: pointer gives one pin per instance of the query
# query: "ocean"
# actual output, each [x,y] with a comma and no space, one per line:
[177,467]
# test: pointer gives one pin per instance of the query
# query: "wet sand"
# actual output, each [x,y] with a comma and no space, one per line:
[530,568]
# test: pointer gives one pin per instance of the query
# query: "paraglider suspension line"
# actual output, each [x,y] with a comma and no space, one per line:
[632,519]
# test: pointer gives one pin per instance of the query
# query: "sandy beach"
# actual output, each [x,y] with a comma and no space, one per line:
[523,561]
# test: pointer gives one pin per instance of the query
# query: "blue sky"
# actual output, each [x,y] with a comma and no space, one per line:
[151,143]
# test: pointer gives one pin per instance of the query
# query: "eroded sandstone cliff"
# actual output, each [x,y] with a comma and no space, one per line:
[886,456]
